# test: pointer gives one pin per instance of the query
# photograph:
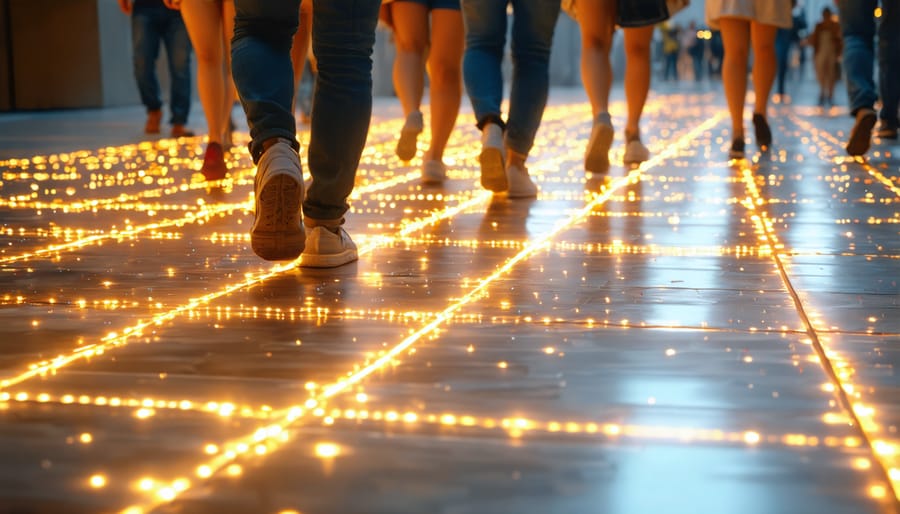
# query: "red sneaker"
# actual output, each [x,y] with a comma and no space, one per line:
[214,162]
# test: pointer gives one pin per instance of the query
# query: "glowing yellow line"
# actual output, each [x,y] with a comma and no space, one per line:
[837,144]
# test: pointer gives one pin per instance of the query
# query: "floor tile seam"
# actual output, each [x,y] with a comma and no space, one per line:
[767,227]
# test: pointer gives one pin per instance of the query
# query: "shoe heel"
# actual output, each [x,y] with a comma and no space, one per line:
[493,172]
[596,159]
[281,236]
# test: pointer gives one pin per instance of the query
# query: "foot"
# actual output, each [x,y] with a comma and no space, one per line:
[635,151]
[214,162]
[493,167]
[520,183]
[179,130]
[327,248]
[737,148]
[861,133]
[277,232]
[762,131]
[596,158]
[887,130]
[407,145]
[153,120]
[434,172]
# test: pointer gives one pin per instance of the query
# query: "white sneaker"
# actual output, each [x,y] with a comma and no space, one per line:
[325,249]
[493,169]
[520,183]
[412,127]
[596,158]
[277,233]
[434,172]
[635,152]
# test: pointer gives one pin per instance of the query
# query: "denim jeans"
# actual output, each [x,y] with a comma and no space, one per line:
[532,34]
[859,27]
[343,35]
[151,24]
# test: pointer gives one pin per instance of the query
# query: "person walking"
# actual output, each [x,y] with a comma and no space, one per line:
[440,45]
[597,20]
[827,46]
[505,144]
[343,35]
[210,25]
[153,23]
[858,26]
[742,23]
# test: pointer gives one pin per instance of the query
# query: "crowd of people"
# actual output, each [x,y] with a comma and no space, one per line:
[256,50]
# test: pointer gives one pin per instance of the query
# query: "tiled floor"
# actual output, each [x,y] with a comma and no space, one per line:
[693,336]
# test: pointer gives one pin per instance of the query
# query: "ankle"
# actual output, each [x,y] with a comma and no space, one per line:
[632,135]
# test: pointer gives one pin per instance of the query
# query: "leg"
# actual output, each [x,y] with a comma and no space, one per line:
[889,61]
[204,24]
[145,50]
[300,46]
[736,39]
[178,51]
[230,94]
[411,38]
[343,34]
[532,35]
[444,70]
[597,21]
[485,24]
[764,63]
[858,27]
[637,74]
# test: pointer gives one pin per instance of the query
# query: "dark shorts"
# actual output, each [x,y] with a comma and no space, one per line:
[436,4]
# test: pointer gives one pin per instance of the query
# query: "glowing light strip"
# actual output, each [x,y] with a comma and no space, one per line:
[268,438]
[837,144]
[860,415]
[514,426]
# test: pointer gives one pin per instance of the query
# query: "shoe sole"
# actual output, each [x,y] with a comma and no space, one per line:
[407,145]
[597,158]
[285,238]
[332,260]
[493,172]
[861,135]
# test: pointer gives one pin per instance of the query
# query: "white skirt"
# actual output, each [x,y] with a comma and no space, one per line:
[767,12]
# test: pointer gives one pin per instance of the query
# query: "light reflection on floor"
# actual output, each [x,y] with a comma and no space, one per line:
[688,326]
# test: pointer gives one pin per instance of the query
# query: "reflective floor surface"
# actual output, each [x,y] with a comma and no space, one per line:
[691,336]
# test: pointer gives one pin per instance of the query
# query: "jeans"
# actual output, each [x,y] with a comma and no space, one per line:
[343,35]
[151,24]
[532,34]
[859,27]
[783,46]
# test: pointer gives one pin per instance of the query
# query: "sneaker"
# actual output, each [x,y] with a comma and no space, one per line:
[434,172]
[762,131]
[737,148]
[153,120]
[520,183]
[493,166]
[406,145]
[277,232]
[214,162]
[328,249]
[179,130]
[635,152]
[886,130]
[596,158]
[861,133]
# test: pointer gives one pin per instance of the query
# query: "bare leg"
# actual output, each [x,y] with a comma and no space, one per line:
[736,40]
[597,18]
[204,23]
[764,63]
[444,69]
[300,47]
[411,38]
[637,74]
[230,91]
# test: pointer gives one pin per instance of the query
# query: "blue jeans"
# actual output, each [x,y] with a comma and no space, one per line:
[532,34]
[343,34]
[150,25]
[859,27]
